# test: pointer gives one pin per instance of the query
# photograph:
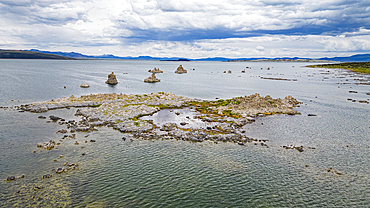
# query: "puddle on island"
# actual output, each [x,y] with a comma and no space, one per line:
[183,118]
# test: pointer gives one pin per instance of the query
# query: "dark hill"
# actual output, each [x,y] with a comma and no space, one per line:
[15,54]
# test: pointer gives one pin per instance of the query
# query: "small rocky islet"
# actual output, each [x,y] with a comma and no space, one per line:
[112,80]
[181,70]
[152,79]
[155,70]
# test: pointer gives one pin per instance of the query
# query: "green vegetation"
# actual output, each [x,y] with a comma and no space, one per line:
[230,114]
[222,102]
[204,107]
[226,102]
[360,67]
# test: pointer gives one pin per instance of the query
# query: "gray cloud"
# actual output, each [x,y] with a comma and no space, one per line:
[167,24]
[45,12]
[175,19]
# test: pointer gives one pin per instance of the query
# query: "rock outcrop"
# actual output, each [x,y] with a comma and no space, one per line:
[84,85]
[112,80]
[152,79]
[155,70]
[256,104]
[180,70]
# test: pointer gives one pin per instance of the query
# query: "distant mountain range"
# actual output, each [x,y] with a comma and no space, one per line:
[354,58]
[37,54]
[149,58]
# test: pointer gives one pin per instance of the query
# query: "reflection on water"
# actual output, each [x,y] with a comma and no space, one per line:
[169,173]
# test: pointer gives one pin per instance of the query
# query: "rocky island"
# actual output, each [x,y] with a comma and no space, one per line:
[85,85]
[136,117]
[112,80]
[155,70]
[180,70]
[152,79]
[222,119]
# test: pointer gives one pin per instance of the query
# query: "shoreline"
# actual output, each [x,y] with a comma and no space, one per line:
[359,67]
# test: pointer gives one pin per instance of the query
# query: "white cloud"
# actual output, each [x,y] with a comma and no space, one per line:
[188,28]
[260,48]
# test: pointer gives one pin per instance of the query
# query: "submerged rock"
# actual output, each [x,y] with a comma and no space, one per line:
[60,170]
[299,149]
[112,80]
[11,178]
[69,166]
[47,176]
[152,79]
[334,171]
[180,70]
[54,118]
[37,188]
[47,145]
[62,131]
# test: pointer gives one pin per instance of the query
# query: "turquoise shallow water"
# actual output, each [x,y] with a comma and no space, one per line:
[117,173]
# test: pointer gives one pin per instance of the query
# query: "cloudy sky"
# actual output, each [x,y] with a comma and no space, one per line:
[188,28]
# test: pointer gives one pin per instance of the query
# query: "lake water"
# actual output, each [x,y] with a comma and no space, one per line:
[167,173]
